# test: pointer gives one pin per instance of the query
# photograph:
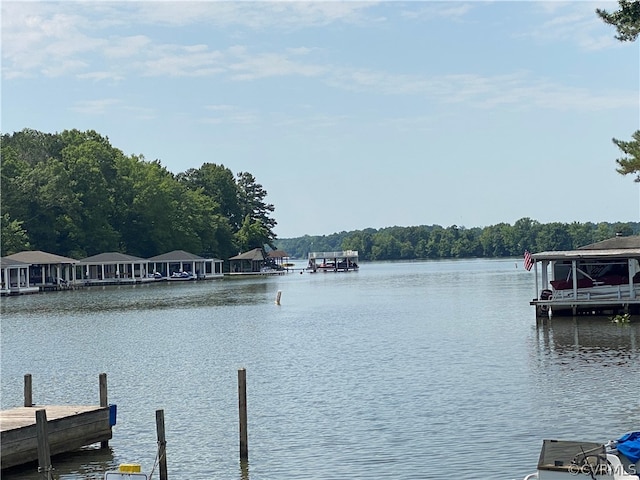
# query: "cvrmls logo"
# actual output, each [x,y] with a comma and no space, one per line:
[601,469]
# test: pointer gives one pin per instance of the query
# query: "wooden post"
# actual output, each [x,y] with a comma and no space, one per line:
[162,444]
[44,454]
[28,392]
[278,295]
[102,381]
[242,404]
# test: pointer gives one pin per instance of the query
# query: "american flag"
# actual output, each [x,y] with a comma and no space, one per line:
[528,261]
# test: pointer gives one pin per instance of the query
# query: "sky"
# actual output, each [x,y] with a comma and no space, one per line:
[351,115]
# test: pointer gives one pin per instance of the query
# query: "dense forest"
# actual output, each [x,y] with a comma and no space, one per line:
[73,194]
[436,242]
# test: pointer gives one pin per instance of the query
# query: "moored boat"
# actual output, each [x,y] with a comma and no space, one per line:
[344,261]
[601,278]
[181,276]
[614,460]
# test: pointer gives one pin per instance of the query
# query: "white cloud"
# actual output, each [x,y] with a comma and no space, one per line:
[96,107]
[256,15]
[573,22]
[229,114]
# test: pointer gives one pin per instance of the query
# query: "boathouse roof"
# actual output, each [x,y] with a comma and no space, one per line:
[255,254]
[615,243]
[617,247]
[278,254]
[38,257]
[112,257]
[175,256]
[6,262]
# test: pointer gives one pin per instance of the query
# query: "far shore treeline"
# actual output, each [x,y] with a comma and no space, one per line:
[436,242]
[73,194]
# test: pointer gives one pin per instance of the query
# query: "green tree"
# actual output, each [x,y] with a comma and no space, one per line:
[13,238]
[252,203]
[627,23]
[218,183]
[631,163]
[251,235]
[626,20]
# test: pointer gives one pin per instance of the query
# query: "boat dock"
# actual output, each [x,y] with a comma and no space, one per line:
[344,261]
[28,431]
[601,278]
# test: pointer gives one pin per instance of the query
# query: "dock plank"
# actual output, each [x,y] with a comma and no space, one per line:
[24,416]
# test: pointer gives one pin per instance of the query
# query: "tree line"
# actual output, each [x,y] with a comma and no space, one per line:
[74,194]
[437,242]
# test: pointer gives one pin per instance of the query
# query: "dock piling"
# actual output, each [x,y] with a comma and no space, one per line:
[242,407]
[162,444]
[102,380]
[44,452]
[28,390]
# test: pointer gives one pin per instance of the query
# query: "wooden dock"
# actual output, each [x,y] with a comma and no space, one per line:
[26,432]
[69,428]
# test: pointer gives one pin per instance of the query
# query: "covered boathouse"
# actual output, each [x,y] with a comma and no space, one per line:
[112,268]
[345,261]
[36,271]
[601,278]
[178,263]
[254,262]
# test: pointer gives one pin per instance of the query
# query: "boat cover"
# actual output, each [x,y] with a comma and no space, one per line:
[629,446]
[562,455]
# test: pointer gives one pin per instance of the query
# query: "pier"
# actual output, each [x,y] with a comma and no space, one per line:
[67,428]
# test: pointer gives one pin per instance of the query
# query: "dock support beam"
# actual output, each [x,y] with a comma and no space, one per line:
[44,453]
[102,380]
[162,444]
[242,408]
[28,390]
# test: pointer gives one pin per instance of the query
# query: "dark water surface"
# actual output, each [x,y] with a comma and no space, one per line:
[426,370]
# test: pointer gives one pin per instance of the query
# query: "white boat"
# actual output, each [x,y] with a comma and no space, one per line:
[181,276]
[601,278]
[614,460]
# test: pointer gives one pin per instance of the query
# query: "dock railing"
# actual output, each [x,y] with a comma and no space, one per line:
[340,254]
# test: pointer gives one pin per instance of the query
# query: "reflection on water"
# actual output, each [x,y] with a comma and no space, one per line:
[85,464]
[161,296]
[590,339]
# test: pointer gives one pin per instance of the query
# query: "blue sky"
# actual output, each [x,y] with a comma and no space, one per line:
[350,114]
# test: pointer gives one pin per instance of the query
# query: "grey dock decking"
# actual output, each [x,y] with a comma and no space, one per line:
[69,428]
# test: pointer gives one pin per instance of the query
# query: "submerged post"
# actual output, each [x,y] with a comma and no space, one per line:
[242,404]
[44,453]
[28,392]
[278,295]
[102,380]
[162,444]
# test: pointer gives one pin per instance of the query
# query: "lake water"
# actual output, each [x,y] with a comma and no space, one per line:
[421,370]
